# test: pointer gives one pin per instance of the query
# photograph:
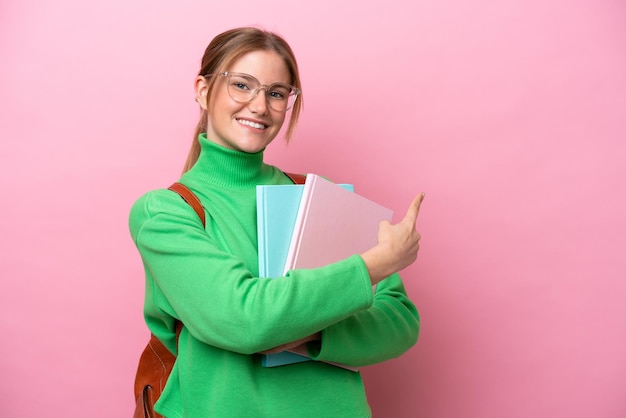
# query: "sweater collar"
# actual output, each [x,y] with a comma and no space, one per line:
[225,167]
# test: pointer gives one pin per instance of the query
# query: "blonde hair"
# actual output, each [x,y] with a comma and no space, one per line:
[227,48]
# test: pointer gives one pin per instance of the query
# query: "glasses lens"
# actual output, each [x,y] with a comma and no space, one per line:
[278,96]
[243,88]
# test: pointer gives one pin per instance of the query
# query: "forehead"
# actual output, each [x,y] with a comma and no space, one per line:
[266,66]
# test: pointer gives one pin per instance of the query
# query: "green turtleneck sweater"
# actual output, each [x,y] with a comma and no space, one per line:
[208,279]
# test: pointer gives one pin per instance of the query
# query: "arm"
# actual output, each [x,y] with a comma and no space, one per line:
[393,320]
[384,331]
[220,302]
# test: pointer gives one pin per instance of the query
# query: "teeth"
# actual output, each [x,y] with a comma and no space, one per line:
[251,124]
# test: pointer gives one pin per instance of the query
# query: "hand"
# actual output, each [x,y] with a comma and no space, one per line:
[288,346]
[397,245]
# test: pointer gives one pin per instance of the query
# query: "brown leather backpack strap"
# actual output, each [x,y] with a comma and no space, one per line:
[296,178]
[191,199]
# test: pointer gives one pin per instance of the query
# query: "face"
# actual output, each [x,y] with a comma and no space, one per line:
[246,127]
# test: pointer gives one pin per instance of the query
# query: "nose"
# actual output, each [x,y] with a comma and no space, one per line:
[258,104]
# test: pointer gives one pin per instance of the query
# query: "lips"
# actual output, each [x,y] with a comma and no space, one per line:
[252,124]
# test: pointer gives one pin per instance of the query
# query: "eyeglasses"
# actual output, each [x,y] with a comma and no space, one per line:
[243,88]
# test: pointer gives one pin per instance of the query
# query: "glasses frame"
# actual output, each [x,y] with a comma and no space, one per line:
[295,91]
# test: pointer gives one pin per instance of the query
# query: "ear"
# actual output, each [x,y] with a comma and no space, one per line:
[201,87]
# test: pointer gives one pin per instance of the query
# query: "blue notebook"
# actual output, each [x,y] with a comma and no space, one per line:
[277,209]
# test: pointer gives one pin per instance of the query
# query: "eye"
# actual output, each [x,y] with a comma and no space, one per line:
[278,92]
[274,94]
[240,85]
[241,82]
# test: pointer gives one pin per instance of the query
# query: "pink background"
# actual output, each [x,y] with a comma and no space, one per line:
[510,115]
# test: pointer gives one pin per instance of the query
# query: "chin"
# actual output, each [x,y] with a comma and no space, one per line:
[251,149]
[253,146]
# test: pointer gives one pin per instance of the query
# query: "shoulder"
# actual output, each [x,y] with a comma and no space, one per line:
[156,200]
[159,204]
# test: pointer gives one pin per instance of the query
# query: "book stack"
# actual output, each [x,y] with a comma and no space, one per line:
[309,226]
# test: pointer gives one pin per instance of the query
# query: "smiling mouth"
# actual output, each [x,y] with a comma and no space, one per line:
[252,124]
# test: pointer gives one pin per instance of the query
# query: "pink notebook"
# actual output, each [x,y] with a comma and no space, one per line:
[332,224]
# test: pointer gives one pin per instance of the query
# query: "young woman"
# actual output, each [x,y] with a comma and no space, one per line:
[208,278]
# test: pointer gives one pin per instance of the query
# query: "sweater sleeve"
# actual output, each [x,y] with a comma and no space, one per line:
[219,301]
[384,331]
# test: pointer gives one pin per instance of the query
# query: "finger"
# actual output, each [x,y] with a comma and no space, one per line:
[414,209]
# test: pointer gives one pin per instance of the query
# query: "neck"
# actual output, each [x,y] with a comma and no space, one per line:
[225,167]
